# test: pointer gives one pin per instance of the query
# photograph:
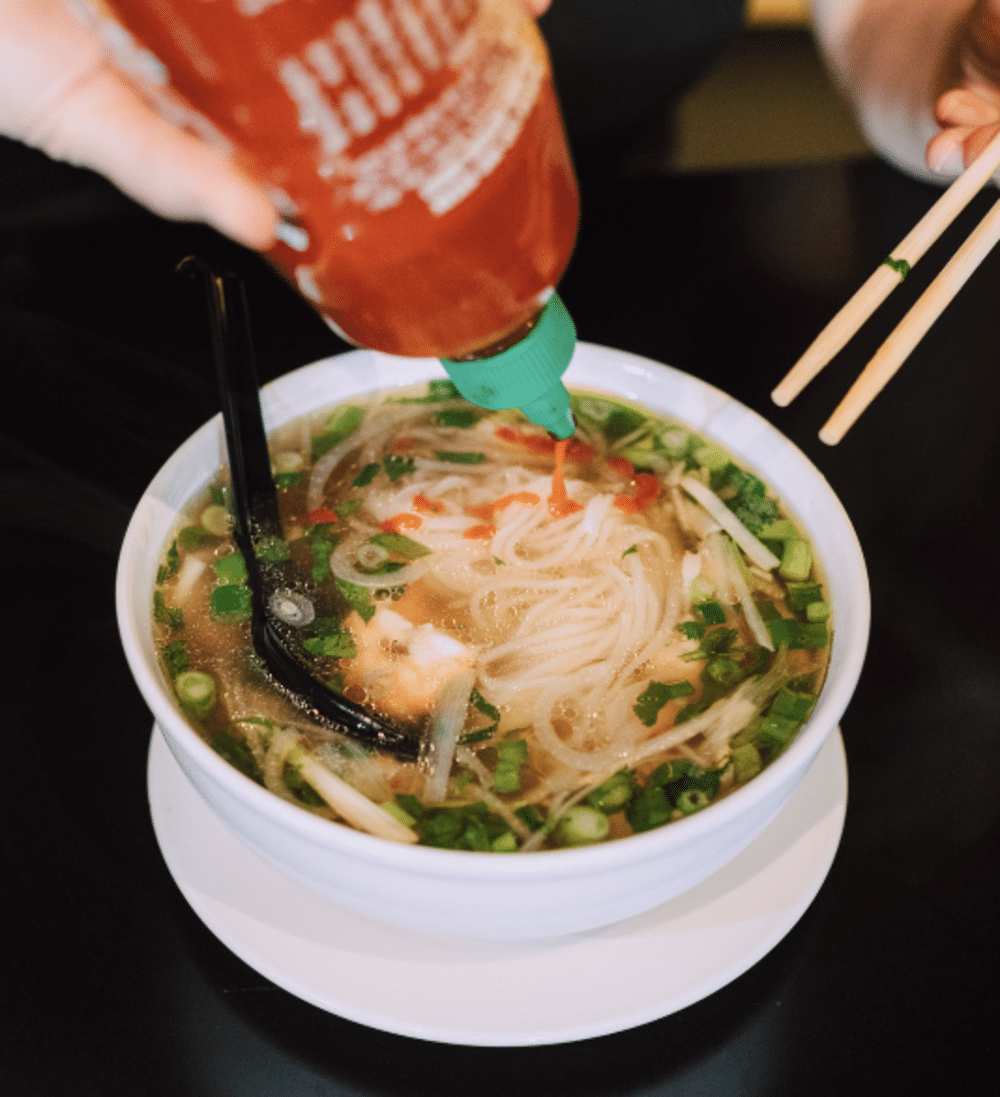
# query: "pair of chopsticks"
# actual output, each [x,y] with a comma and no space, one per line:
[915,325]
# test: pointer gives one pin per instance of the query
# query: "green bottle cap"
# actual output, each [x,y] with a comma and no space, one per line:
[527,375]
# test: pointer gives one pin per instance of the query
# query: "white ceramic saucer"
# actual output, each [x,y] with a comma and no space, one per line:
[507,994]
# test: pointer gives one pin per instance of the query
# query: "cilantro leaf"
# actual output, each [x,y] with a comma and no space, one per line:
[395,466]
[164,614]
[175,658]
[171,565]
[358,598]
[365,476]
[330,640]
[321,550]
[655,696]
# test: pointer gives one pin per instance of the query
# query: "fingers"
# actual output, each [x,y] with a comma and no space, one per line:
[101,123]
[971,118]
[964,107]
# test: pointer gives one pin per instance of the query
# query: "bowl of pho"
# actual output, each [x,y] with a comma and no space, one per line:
[617,657]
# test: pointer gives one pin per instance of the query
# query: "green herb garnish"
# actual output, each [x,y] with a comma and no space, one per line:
[330,640]
[175,657]
[401,545]
[655,696]
[164,614]
[395,467]
[365,476]
[460,458]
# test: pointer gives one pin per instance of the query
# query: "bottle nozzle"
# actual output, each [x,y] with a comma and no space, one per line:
[527,375]
[551,410]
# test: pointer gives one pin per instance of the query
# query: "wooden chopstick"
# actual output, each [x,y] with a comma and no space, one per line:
[913,327]
[889,274]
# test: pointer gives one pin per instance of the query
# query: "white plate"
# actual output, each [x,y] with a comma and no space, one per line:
[509,994]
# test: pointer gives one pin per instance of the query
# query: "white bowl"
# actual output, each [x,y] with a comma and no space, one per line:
[489,896]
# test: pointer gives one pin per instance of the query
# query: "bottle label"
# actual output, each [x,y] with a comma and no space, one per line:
[402,96]
[350,82]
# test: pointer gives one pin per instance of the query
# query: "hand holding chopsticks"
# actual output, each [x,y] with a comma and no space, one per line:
[883,281]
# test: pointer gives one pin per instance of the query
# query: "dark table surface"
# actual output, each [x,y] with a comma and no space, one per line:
[109,983]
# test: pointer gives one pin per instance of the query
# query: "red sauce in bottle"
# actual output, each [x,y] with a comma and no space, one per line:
[435,190]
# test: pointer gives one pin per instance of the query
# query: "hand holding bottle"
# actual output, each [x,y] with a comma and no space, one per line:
[58,93]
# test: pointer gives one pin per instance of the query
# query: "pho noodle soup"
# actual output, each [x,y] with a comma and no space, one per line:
[585,655]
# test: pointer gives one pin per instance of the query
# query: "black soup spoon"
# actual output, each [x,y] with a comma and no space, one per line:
[257,522]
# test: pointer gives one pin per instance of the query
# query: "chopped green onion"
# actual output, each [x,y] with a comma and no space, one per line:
[796,561]
[794,706]
[400,544]
[615,793]
[530,816]
[780,530]
[196,692]
[581,826]
[456,417]
[726,672]
[230,604]
[506,778]
[506,843]
[340,425]
[691,800]
[370,556]
[513,753]
[817,611]
[460,458]
[217,520]
[398,813]
[192,537]
[746,762]
[711,457]
[231,568]
[479,736]
[347,507]
[778,731]
[478,702]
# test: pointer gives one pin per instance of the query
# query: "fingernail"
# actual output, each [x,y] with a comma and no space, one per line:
[949,164]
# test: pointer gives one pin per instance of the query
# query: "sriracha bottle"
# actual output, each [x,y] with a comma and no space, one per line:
[416,153]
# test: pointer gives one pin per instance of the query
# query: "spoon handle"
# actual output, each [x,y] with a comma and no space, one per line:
[255,504]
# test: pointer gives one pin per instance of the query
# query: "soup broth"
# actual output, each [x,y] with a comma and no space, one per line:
[584,655]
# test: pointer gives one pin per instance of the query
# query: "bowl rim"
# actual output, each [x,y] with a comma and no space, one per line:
[850,635]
